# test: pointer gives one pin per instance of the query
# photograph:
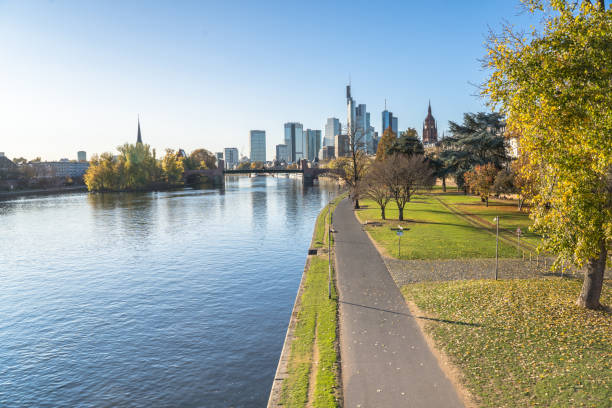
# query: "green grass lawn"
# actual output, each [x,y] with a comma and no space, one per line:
[522,343]
[433,232]
[315,329]
[510,217]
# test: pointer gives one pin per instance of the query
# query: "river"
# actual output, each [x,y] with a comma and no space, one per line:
[161,299]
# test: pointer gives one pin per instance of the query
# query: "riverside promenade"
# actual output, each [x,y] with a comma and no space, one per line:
[385,358]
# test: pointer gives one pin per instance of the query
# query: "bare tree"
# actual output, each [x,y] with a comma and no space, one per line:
[404,176]
[374,186]
[352,168]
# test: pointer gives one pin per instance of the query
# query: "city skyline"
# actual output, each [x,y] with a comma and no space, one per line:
[185,72]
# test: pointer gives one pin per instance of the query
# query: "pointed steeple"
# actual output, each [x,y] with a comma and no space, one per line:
[139,138]
[429,108]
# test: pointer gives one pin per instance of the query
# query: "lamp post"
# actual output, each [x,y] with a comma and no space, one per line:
[496,219]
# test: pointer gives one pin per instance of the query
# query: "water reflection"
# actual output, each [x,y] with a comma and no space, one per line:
[176,298]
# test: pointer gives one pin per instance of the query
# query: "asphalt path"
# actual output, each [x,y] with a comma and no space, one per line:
[385,359]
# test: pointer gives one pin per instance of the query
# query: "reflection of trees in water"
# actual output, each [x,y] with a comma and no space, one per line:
[133,213]
[6,208]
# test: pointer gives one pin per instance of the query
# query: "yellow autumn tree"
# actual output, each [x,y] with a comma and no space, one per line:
[386,141]
[554,87]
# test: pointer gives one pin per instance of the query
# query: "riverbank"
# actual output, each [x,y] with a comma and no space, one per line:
[308,369]
[41,191]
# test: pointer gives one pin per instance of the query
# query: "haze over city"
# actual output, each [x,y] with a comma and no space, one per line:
[75,75]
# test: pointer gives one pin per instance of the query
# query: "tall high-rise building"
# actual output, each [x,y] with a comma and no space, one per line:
[341,146]
[258,145]
[389,121]
[81,156]
[313,143]
[358,124]
[231,157]
[332,128]
[430,128]
[282,153]
[294,139]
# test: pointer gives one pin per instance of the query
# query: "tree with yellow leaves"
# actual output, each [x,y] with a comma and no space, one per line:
[555,89]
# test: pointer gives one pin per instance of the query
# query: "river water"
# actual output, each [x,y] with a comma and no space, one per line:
[154,299]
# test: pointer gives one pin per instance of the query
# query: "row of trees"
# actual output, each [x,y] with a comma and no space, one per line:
[397,177]
[136,167]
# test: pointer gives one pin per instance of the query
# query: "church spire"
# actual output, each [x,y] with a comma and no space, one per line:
[429,108]
[139,138]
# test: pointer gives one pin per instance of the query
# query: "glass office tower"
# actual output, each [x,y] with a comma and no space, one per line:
[294,139]
[258,145]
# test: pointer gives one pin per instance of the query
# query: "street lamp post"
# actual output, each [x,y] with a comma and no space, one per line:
[496,219]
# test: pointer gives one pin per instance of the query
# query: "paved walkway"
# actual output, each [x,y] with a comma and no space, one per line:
[385,359]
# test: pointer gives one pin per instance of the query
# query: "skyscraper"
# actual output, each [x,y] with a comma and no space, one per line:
[81,156]
[294,139]
[389,121]
[332,128]
[231,157]
[313,143]
[358,124]
[282,153]
[258,145]
[430,128]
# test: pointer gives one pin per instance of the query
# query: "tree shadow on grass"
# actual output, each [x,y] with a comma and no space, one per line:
[409,315]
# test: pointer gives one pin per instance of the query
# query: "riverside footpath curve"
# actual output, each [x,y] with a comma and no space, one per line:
[385,358]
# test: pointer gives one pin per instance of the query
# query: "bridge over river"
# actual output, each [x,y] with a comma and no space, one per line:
[217,176]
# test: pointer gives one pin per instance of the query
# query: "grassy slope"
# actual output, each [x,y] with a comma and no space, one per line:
[510,217]
[525,342]
[316,318]
[436,233]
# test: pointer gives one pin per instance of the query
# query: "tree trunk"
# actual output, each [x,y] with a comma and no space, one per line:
[356,204]
[382,212]
[593,279]
[444,184]
[487,202]
[401,213]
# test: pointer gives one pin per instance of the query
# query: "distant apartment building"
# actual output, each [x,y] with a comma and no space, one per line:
[81,156]
[313,144]
[327,152]
[294,139]
[341,146]
[258,146]
[231,157]
[219,156]
[332,128]
[5,163]
[62,168]
[282,153]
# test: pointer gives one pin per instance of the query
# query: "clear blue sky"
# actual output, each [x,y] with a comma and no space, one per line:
[74,75]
